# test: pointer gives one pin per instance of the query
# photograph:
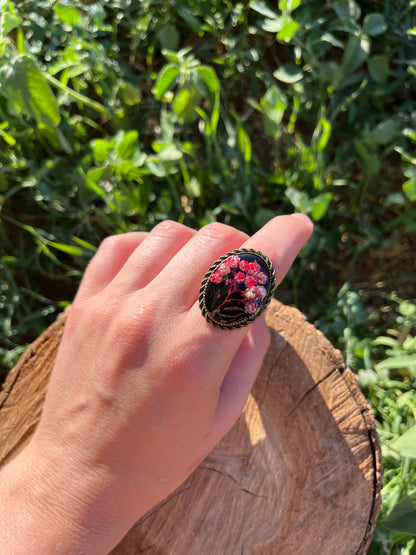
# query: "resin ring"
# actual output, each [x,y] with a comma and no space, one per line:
[237,288]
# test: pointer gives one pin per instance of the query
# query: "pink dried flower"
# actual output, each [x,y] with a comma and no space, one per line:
[250,307]
[250,281]
[262,278]
[233,261]
[260,292]
[224,269]
[216,278]
[239,277]
[253,268]
[243,265]
[251,293]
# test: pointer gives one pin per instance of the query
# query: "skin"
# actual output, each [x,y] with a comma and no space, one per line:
[142,388]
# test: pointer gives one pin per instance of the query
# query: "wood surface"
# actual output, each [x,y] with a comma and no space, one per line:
[299,473]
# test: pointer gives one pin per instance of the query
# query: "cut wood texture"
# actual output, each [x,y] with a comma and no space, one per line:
[299,473]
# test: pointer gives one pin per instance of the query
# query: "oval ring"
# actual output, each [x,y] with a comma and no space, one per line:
[237,288]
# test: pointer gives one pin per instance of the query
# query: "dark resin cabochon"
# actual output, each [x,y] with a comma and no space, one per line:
[237,289]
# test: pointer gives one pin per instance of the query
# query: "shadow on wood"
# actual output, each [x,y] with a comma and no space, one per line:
[299,473]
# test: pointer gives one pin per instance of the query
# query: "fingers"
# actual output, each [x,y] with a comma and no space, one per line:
[183,274]
[281,239]
[173,259]
[152,255]
[111,256]
[240,377]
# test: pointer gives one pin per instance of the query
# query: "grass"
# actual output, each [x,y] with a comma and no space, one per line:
[117,115]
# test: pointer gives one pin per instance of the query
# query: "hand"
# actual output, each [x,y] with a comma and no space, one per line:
[142,388]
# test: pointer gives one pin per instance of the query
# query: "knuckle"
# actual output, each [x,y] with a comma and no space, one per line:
[86,318]
[109,244]
[218,232]
[167,228]
[135,323]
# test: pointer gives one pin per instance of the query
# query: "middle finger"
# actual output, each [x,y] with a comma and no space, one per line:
[152,255]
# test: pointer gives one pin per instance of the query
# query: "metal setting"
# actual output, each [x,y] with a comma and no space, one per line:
[237,288]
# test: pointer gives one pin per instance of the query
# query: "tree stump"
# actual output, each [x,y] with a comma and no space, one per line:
[299,473]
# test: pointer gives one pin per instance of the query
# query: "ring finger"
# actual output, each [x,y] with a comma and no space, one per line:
[280,240]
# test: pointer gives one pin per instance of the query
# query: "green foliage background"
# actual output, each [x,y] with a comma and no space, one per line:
[115,115]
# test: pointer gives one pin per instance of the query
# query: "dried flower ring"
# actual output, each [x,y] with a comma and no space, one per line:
[237,288]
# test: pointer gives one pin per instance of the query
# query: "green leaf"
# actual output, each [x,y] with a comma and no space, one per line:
[345,25]
[299,199]
[244,143]
[287,31]
[8,22]
[378,68]
[263,9]
[182,101]
[409,189]
[171,56]
[385,341]
[127,170]
[347,9]
[156,169]
[355,54]
[131,94]
[95,175]
[398,362]
[215,116]
[324,129]
[406,443]
[170,155]
[408,309]
[168,37]
[193,188]
[372,165]
[289,5]
[27,89]
[329,37]
[67,14]
[273,106]
[84,244]
[100,149]
[68,249]
[192,22]
[127,145]
[403,516]
[374,24]
[288,73]
[165,79]
[158,146]
[209,78]
[361,149]
[385,131]
[7,138]
[272,25]
[320,205]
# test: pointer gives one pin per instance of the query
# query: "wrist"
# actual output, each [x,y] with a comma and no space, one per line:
[47,507]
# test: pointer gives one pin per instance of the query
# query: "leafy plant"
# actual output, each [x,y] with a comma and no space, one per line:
[117,115]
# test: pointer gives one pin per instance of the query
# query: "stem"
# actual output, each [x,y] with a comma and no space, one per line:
[78,96]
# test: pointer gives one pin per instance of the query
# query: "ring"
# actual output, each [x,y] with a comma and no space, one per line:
[237,288]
